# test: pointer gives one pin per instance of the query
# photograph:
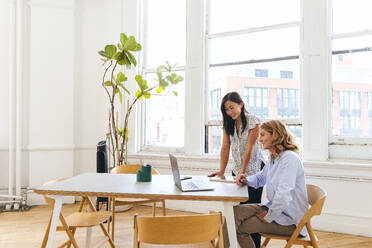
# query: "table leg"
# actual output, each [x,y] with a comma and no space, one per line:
[228,211]
[88,237]
[55,218]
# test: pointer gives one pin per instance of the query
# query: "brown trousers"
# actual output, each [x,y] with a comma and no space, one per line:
[247,222]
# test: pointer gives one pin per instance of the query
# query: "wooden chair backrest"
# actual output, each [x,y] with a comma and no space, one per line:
[316,197]
[131,169]
[179,229]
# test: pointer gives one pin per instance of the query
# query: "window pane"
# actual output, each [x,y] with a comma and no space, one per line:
[213,139]
[352,83]
[164,32]
[255,46]
[349,16]
[243,14]
[256,92]
[164,122]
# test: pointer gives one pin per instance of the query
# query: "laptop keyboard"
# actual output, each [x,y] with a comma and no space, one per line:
[190,185]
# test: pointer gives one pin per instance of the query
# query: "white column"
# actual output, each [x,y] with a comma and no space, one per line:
[19,89]
[315,83]
[12,83]
[194,84]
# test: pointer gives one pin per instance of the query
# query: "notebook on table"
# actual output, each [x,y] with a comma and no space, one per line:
[190,184]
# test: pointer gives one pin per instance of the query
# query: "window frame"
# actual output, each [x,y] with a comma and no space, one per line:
[207,37]
[141,108]
[315,56]
[343,139]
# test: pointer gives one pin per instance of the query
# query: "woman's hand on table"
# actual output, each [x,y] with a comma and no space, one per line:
[241,179]
[218,173]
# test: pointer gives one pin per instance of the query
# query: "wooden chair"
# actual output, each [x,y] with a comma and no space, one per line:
[316,197]
[78,219]
[177,230]
[132,169]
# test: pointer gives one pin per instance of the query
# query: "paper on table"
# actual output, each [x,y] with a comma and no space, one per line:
[228,179]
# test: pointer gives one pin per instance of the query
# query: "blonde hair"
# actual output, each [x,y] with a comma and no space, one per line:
[282,139]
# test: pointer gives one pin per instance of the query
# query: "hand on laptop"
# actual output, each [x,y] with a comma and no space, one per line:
[219,174]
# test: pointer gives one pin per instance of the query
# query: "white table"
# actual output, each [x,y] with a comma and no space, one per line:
[125,185]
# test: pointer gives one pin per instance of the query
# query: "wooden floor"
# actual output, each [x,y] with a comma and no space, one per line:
[26,229]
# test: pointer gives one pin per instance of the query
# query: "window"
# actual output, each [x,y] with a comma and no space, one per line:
[370,112]
[256,100]
[351,68]
[261,73]
[350,110]
[215,104]
[241,53]
[288,103]
[286,74]
[164,115]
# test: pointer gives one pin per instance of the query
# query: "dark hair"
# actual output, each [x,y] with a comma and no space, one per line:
[228,122]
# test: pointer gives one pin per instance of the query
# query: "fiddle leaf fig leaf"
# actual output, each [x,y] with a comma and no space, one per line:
[139,94]
[174,78]
[120,46]
[161,68]
[130,44]
[160,75]
[110,50]
[123,39]
[141,83]
[103,54]
[123,87]
[132,58]
[108,83]
[159,89]
[120,97]
[146,95]
[121,77]
[117,56]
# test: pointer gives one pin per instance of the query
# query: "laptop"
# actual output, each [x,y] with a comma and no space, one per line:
[187,185]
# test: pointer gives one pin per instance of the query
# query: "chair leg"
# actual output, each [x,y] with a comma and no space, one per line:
[267,240]
[109,219]
[135,232]
[153,208]
[73,231]
[164,209]
[113,219]
[69,234]
[107,235]
[45,239]
[312,235]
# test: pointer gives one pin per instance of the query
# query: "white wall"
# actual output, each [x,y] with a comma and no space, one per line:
[4,92]
[97,23]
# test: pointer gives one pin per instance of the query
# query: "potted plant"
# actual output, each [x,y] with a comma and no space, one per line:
[117,59]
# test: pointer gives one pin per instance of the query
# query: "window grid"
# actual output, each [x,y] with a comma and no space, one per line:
[261,73]
[350,112]
[256,100]
[288,102]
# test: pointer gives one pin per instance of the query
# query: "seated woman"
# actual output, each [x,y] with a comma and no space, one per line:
[285,188]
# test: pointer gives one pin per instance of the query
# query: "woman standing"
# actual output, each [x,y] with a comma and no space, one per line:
[240,133]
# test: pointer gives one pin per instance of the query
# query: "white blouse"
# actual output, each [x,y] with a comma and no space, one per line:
[238,144]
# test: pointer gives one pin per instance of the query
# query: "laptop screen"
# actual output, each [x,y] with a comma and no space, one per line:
[175,171]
